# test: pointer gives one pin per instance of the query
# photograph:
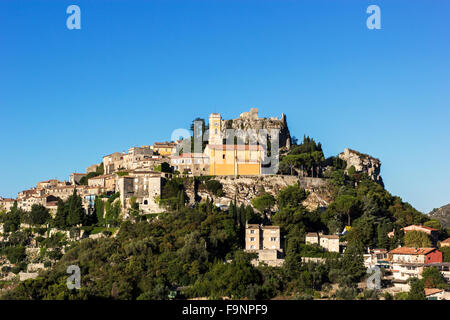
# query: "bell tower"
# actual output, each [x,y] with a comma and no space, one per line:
[215,129]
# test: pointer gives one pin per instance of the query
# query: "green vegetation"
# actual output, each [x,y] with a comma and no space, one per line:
[98,172]
[417,239]
[304,159]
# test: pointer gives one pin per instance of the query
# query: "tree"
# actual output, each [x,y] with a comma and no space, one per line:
[345,205]
[99,206]
[417,239]
[75,214]
[39,214]
[417,290]
[61,215]
[433,223]
[264,202]
[445,253]
[432,278]
[11,220]
[352,261]
[291,196]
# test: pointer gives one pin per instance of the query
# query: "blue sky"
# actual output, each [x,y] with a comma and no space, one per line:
[139,69]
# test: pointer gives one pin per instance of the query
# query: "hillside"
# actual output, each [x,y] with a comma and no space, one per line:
[442,214]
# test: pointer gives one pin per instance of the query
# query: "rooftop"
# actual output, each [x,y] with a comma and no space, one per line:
[414,251]
[430,291]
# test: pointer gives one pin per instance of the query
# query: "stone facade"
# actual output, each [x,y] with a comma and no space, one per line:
[266,241]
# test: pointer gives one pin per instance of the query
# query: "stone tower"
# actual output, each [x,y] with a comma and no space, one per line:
[215,129]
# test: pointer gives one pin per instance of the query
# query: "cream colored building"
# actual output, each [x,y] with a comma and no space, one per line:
[264,240]
[107,182]
[6,204]
[328,242]
[75,178]
[196,164]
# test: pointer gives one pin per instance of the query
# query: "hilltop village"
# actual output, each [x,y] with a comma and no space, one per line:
[313,209]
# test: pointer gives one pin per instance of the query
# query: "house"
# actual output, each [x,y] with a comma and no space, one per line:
[376,257]
[164,148]
[6,204]
[328,242]
[145,186]
[107,182]
[415,255]
[264,240]
[434,294]
[410,262]
[445,243]
[75,178]
[431,232]
[113,162]
[47,184]
[196,164]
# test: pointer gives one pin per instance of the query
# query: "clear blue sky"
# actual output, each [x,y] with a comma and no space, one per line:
[138,69]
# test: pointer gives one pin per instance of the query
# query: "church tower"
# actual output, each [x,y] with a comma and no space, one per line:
[215,129]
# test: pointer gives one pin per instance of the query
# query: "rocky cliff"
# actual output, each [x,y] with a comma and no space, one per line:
[363,163]
[244,189]
[251,120]
[442,214]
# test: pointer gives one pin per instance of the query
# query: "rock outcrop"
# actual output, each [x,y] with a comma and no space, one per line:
[442,214]
[363,163]
[250,120]
[244,189]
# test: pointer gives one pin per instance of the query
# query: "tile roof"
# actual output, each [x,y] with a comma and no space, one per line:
[414,251]
[419,227]
[430,291]
[446,240]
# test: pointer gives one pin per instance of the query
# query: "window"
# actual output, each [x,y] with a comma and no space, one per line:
[145,202]
[223,156]
[273,239]
[252,231]
[252,239]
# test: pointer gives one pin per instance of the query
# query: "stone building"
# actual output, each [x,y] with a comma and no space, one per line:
[113,162]
[196,164]
[266,241]
[145,186]
[106,182]
[328,242]
[75,178]
[164,148]
[6,204]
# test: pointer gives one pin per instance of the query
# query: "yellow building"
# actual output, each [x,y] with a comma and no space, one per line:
[234,159]
[164,148]
[230,159]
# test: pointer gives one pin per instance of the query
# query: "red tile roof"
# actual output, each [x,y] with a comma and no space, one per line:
[413,251]
[421,227]
[430,291]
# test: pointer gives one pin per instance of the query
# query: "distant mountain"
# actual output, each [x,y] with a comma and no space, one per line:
[442,214]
